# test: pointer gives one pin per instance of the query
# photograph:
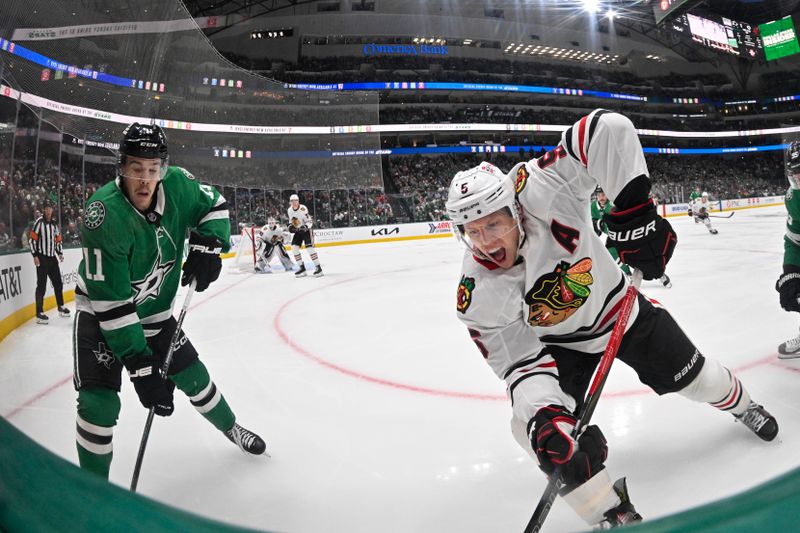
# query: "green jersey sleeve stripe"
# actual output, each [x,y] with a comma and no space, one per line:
[792,236]
[214,215]
[121,322]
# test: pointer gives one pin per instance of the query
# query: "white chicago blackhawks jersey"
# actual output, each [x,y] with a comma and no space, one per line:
[699,206]
[271,235]
[566,289]
[299,217]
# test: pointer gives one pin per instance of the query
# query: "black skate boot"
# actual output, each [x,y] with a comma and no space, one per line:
[666,281]
[63,311]
[624,513]
[318,272]
[41,318]
[246,440]
[759,421]
[301,272]
[789,349]
[713,231]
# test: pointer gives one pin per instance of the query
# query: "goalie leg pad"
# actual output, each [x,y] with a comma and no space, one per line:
[716,385]
[592,499]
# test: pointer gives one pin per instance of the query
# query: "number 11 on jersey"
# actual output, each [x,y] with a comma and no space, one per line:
[98,264]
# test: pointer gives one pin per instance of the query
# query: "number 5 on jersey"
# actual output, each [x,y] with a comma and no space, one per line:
[96,273]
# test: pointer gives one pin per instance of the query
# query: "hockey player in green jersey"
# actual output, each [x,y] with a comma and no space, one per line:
[788,284]
[601,206]
[694,195]
[133,235]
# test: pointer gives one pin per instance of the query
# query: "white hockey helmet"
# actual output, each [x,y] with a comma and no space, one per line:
[704,195]
[478,192]
[294,197]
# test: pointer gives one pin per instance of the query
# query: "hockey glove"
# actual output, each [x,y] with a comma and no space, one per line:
[788,286]
[292,229]
[554,446]
[203,262]
[689,212]
[153,391]
[597,223]
[643,239]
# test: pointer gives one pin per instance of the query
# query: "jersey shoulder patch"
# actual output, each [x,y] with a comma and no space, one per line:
[186,173]
[94,214]
[464,295]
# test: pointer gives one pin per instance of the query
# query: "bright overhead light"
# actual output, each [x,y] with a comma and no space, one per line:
[610,14]
[592,6]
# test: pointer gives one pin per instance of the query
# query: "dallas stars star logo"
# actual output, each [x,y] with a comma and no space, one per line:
[150,286]
[103,355]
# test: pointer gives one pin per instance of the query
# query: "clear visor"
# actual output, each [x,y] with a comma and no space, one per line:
[144,169]
[486,232]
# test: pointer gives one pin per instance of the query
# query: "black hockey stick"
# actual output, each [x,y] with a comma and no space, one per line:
[555,483]
[721,216]
[164,368]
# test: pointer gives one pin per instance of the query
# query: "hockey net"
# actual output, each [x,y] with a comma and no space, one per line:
[245,258]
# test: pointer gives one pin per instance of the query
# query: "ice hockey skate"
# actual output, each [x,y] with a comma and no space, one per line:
[301,272]
[759,421]
[789,349]
[246,440]
[624,513]
[63,311]
[42,318]
[318,272]
[665,281]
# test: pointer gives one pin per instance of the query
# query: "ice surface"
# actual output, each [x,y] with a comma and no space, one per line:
[381,415]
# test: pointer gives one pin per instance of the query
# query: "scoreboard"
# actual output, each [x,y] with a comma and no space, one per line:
[779,37]
[720,33]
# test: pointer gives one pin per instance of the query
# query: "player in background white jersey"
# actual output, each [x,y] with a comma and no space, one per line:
[539,295]
[788,284]
[269,242]
[700,209]
[300,224]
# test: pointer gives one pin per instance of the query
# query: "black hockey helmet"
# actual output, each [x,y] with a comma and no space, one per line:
[146,141]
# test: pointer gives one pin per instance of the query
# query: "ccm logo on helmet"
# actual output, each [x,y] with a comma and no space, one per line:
[632,235]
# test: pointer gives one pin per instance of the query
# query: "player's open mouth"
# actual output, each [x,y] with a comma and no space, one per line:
[498,255]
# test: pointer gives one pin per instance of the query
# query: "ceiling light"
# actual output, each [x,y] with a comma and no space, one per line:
[592,6]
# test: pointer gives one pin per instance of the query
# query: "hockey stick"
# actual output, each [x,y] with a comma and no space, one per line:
[555,483]
[164,368]
[720,216]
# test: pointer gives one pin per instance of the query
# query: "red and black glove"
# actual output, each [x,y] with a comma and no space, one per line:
[643,239]
[554,446]
[153,390]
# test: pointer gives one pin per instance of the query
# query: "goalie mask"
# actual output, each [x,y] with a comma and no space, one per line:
[477,193]
[144,142]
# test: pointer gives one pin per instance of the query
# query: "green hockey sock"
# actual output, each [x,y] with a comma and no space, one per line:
[195,382]
[98,409]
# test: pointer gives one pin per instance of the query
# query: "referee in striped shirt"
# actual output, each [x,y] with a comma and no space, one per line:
[45,246]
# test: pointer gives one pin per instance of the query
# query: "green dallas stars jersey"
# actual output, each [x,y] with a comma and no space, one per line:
[791,240]
[131,267]
[598,212]
[694,195]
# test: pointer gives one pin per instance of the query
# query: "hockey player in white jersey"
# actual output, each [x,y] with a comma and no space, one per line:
[539,295]
[700,209]
[269,242]
[300,224]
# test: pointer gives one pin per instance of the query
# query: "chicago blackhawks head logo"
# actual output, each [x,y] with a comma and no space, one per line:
[464,297]
[556,296]
[521,180]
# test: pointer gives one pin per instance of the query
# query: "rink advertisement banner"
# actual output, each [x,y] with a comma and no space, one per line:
[674,210]
[387,233]
[18,286]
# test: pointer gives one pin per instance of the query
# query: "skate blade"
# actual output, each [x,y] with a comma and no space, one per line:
[40,321]
[789,355]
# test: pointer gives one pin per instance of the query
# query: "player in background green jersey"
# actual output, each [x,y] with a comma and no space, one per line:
[602,206]
[694,195]
[788,284]
[133,235]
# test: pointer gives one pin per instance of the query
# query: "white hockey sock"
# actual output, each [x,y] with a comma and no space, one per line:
[717,386]
[313,253]
[93,438]
[296,253]
[593,498]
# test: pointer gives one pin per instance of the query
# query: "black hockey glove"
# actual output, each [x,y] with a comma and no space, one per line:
[597,223]
[788,286]
[554,446]
[203,262]
[689,212]
[292,229]
[643,239]
[153,391]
